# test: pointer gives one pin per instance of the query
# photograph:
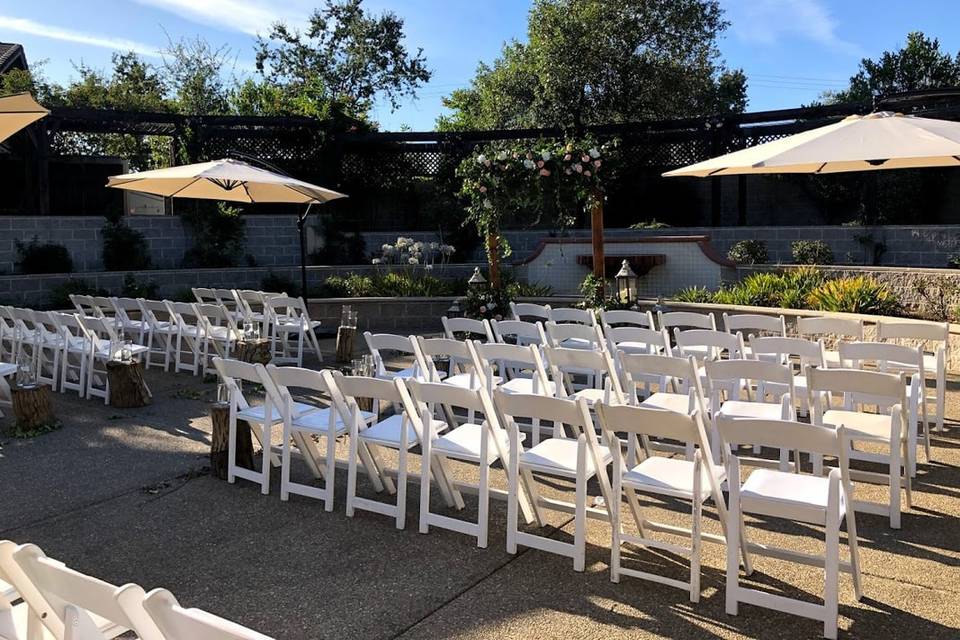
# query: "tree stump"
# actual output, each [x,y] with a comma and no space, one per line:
[252,351]
[128,389]
[220,441]
[345,339]
[31,407]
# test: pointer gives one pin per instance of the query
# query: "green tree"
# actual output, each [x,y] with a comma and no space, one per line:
[603,61]
[194,71]
[920,64]
[345,57]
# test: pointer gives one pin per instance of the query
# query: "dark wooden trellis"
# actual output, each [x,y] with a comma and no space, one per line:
[394,178]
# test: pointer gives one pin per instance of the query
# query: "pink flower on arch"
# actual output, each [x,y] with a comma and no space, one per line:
[578,168]
[567,158]
[596,163]
[539,164]
[483,189]
[545,172]
[586,173]
[585,158]
[568,172]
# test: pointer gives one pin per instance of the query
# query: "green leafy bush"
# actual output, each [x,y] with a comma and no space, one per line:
[352,285]
[59,296]
[811,252]
[135,288]
[649,224]
[860,294]
[43,257]
[277,283]
[219,236]
[124,248]
[697,295]
[748,252]
[391,285]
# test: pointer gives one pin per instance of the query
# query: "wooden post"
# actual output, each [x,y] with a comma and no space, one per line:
[31,407]
[493,257]
[128,389]
[220,441]
[596,233]
[252,351]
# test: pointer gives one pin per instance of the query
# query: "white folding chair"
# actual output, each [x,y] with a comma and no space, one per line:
[574,336]
[219,333]
[626,318]
[753,379]
[578,457]
[809,499]
[162,331]
[708,344]
[887,429]
[798,354]
[895,358]
[261,419]
[189,344]
[379,342]
[104,308]
[685,320]
[106,346]
[85,305]
[832,330]
[750,325]
[934,356]
[177,623]
[521,310]
[459,372]
[28,348]
[631,339]
[136,327]
[49,348]
[696,480]
[518,332]
[401,431]
[290,329]
[467,329]
[81,605]
[204,295]
[603,383]
[569,315]
[302,426]
[9,335]
[482,443]
[23,611]
[514,368]
[6,370]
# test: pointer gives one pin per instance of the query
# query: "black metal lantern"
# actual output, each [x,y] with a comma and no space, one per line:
[476,281]
[627,282]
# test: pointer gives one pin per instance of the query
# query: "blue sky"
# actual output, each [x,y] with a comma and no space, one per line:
[791,50]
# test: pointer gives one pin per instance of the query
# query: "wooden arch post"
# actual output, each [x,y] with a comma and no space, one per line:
[596,235]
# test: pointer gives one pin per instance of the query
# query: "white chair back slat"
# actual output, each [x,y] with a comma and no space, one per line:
[177,623]
[626,318]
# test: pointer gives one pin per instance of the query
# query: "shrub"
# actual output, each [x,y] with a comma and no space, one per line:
[953,261]
[748,252]
[859,294]
[134,288]
[59,297]
[276,283]
[649,224]
[811,252]
[124,248]
[46,257]
[352,285]
[700,295]
[219,236]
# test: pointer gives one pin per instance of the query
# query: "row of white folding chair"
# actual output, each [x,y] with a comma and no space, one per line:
[60,602]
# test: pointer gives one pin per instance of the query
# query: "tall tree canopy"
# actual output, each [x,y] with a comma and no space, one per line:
[603,61]
[345,56]
[919,64]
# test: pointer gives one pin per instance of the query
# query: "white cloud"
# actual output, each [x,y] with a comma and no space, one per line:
[767,21]
[253,17]
[21,25]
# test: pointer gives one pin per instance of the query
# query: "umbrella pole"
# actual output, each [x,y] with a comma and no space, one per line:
[301,222]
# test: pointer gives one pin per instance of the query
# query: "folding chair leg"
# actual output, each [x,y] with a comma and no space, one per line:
[265,430]
[695,548]
[352,474]
[402,487]
[734,540]
[513,489]
[580,516]
[483,510]
[941,399]
[425,459]
[831,577]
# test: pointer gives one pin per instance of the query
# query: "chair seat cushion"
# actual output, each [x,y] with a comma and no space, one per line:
[256,414]
[468,380]
[559,455]
[860,426]
[525,385]
[788,495]
[387,432]
[758,410]
[676,402]
[464,442]
[319,421]
[670,476]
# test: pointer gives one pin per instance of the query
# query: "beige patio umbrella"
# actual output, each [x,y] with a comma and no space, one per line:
[18,111]
[233,181]
[880,140]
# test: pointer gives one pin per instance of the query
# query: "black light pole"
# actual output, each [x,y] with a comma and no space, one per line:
[301,223]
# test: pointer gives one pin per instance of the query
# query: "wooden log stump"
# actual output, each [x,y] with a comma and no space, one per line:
[220,441]
[32,408]
[346,336]
[128,389]
[252,351]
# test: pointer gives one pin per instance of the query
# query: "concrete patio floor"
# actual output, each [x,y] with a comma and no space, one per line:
[123,494]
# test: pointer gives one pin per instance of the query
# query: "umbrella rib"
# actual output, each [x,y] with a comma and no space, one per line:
[309,195]
[820,168]
[247,191]
[715,171]
[186,186]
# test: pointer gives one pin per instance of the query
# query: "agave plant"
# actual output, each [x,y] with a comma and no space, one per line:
[860,294]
